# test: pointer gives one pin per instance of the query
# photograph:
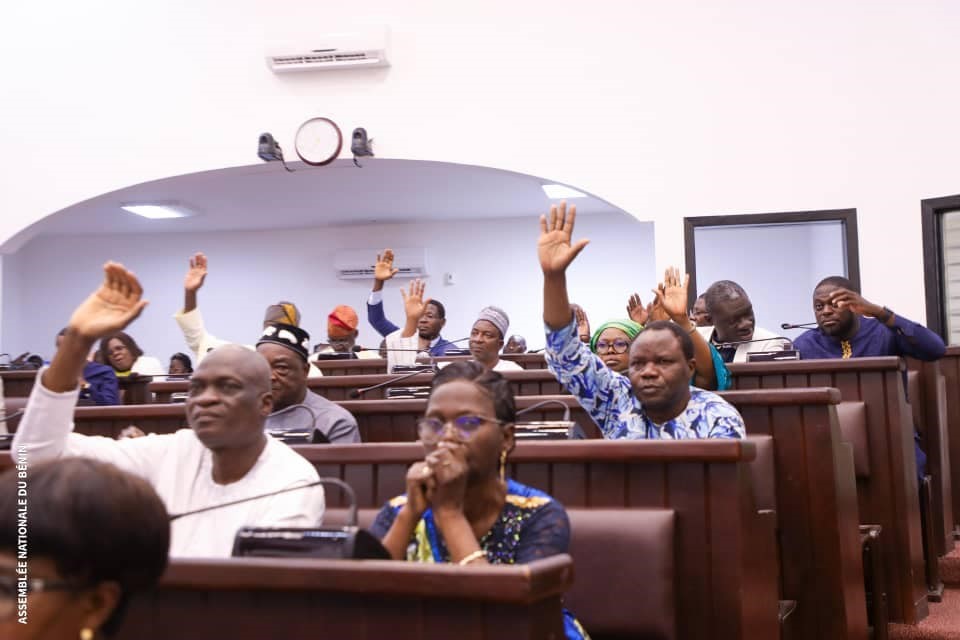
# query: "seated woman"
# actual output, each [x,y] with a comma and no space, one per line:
[180,365]
[96,535]
[121,352]
[459,506]
[98,383]
[611,343]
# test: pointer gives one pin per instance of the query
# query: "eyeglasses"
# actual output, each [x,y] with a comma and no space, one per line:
[11,588]
[431,429]
[617,346]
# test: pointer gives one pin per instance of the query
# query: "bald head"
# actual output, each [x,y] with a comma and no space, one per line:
[230,398]
[249,365]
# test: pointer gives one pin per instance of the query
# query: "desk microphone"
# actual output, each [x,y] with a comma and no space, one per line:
[426,352]
[356,393]
[564,429]
[309,434]
[347,489]
[804,325]
[566,409]
[313,542]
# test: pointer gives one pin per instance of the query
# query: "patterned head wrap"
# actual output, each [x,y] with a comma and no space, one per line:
[629,327]
[289,336]
[342,322]
[282,313]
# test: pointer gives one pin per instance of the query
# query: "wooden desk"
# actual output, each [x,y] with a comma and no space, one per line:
[889,496]
[260,598]
[378,420]
[339,387]
[820,559]
[816,504]
[17,384]
[379,365]
[705,482]
[928,401]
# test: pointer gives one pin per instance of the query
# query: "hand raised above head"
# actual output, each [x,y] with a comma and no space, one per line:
[384,270]
[583,323]
[197,272]
[414,303]
[655,310]
[635,309]
[113,306]
[673,294]
[554,248]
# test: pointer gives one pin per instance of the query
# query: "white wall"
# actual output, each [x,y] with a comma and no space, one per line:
[777,265]
[494,262]
[667,109]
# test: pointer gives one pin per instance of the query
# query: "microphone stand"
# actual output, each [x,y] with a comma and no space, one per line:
[566,409]
[803,325]
[356,393]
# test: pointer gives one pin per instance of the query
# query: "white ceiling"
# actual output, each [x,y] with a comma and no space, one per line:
[265,196]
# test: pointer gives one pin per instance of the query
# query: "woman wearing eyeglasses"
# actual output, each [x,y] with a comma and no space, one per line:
[94,534]
[611,342]
[459,506]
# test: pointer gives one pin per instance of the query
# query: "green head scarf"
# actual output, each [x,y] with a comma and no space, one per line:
[629,327]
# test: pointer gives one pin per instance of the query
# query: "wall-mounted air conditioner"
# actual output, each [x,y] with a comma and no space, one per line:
[357,264]
[334,51]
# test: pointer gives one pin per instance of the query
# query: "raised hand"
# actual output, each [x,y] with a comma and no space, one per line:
[635,309]
[655,310]
[196,273]
[414,303]
[110,308]
[384,270]
[673,294]
[554,247]
[583,323]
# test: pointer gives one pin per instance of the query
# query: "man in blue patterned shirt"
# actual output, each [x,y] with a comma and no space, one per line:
[655,399]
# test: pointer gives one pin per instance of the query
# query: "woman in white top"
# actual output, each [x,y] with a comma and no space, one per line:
[121,352]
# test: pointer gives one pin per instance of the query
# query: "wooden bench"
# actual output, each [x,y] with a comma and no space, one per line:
[950,368]
[888,495]
[17,384]
[927,396]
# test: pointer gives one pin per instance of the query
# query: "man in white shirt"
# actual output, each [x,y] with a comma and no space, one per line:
[734,332]
[224,456]
[190,321]
[429,324]
[486,335]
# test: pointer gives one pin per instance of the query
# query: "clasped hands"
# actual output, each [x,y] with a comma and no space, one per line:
[439,481]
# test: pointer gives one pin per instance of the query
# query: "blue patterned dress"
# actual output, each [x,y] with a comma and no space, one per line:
[532,525]
[608,397]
